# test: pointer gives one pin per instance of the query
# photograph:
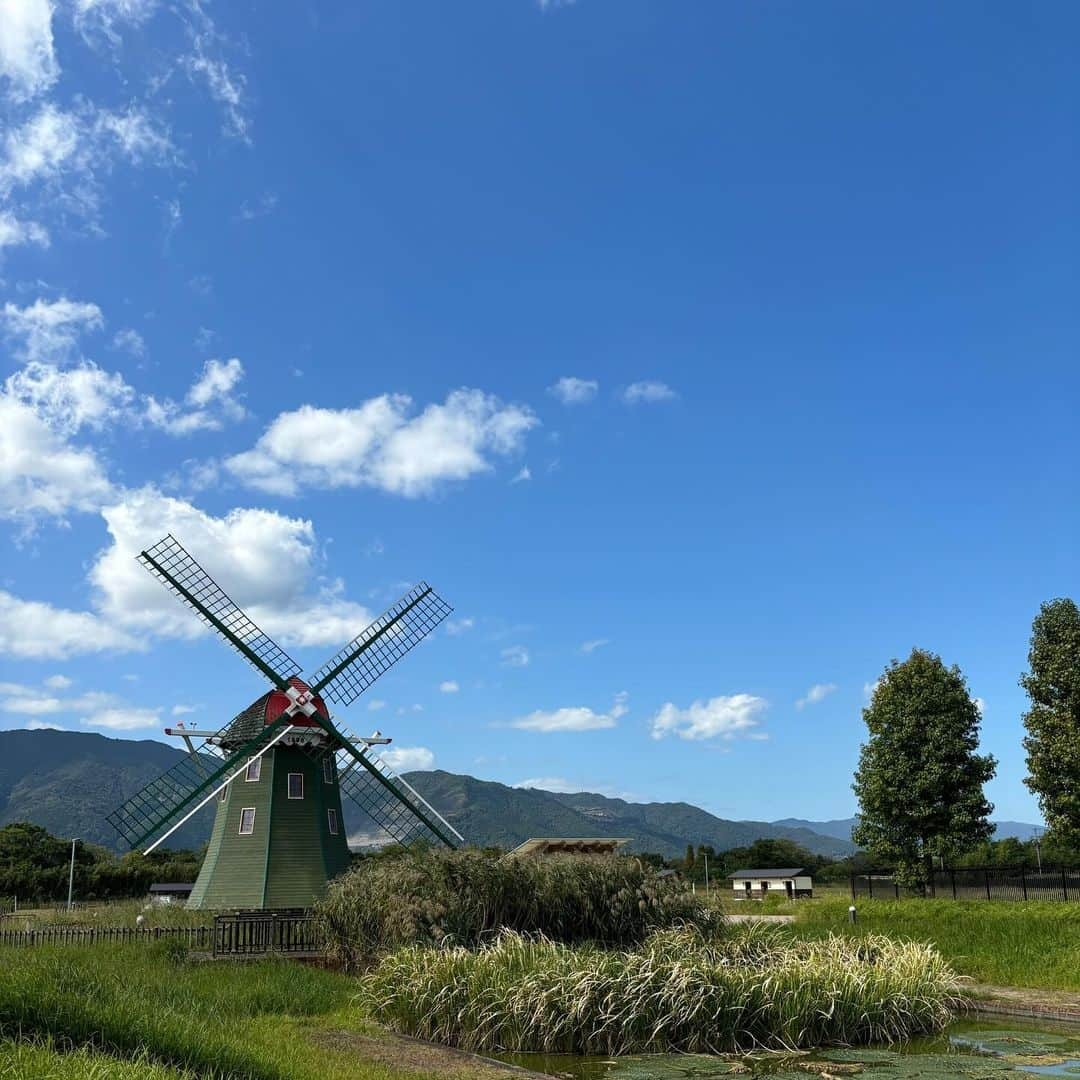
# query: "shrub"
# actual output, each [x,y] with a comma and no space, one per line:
[683,991]
[461,898]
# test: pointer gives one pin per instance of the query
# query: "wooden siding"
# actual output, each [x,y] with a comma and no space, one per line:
[233,875]
[286,861]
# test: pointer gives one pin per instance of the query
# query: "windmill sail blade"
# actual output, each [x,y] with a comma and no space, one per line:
[163,802]
[168,561]
[390,801]
[346,676]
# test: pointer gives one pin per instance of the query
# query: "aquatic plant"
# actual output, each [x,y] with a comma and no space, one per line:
[681,990]
[465,897]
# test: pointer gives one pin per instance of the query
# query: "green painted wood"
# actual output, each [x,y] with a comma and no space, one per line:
[289,857]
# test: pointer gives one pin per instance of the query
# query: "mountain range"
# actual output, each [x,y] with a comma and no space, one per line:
[68,781]
[841,828]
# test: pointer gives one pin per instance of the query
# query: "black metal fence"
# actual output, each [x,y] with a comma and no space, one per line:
[976,883]
[261,932]
[253,933]
[194,937]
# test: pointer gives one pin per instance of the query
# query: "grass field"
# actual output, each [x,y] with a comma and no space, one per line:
[1006,944]
[138,1013]
[108,913]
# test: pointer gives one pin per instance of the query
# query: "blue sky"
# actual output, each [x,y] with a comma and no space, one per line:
[704,356]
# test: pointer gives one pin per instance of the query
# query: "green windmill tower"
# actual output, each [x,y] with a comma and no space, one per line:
[279,769]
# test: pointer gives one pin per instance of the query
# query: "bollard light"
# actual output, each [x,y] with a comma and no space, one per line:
[852,916]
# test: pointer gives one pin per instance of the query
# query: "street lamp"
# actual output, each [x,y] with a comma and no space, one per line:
[71,872]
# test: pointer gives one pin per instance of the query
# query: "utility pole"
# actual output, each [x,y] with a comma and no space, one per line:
[706,872]
[1038,851]
[71,872]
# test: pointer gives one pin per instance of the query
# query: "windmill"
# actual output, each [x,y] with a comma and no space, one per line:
[279,769]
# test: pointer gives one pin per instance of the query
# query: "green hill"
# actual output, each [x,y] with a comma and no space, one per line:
[495,814]
[67,781]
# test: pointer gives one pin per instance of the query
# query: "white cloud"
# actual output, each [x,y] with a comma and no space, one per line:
[379,445]
[523,474]
[457,627]
[869,689]
[375,704]
[27,59]
[208,404]
[647,392]
[515,656]
[41,474]
[42,725]
[225,86]
[49,330]
[265,560]
[130,341]
[265,204]
[105,15]
[588,647]
[449,687]
[33,701]
[571,390]
[63,154]
[816,694]
[573,718]
[407,758]
[184,710]
[58,682]
[980,704]
[135,133]
[123,719]
[733,717]
[71,398]
[32,630]
[14,232]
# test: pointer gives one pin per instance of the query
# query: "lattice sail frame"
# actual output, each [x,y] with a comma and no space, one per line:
[387,799]
[344,677]
[162,803]
[171,564]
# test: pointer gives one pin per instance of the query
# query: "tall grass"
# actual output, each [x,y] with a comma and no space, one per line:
[464,897]
[1007,943]
[47,1061]
[152,1015]
[759,988]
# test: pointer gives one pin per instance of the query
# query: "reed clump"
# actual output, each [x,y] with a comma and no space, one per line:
[462,898]
[681,990]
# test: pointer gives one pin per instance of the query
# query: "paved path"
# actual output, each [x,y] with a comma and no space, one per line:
[760,918]
[1021,1001]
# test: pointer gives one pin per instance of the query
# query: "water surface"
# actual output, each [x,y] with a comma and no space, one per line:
[971,1049]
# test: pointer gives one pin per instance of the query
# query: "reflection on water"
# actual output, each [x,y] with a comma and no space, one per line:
[969,1050]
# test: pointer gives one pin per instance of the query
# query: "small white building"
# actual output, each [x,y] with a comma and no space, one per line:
[792,882]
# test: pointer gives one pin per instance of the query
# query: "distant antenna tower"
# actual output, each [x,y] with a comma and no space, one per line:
[279,768]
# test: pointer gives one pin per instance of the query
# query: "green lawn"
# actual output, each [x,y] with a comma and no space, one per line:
[1006,944]
[145,1013]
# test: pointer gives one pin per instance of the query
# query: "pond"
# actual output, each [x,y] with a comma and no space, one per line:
[971,1049]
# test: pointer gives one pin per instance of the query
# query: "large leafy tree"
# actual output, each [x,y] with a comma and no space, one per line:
[920,779]
[1053,721]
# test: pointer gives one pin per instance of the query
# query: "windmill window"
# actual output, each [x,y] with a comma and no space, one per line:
[328,768]
[296,785]
[247,821]
[331,818]
[254,770]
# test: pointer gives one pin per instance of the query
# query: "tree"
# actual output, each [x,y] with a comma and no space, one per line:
[1053,721]
[920,781]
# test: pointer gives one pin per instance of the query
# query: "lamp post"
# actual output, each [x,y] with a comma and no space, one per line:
[71,871]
